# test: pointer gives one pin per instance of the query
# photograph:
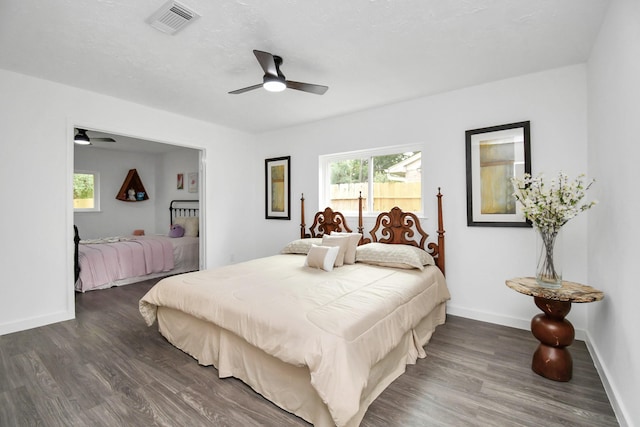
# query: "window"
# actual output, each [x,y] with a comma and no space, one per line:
[86,191]
[386,178]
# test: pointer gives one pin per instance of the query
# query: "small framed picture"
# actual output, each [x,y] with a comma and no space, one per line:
[193,182]
[495,155]
[180,181]
[278,190]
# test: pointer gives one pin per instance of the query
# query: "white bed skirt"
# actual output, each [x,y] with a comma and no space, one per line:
[286,385]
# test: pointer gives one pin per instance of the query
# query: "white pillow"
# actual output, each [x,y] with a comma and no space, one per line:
[394,255]
[341,242]
[354,239]
[191,224]
[322,257]
[301,246]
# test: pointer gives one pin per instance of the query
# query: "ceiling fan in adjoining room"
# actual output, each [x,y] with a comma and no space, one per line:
[81,138]
[273,79]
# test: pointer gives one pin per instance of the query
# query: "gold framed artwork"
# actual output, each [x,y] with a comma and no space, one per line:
[277,188]
[495,155]
[180,181]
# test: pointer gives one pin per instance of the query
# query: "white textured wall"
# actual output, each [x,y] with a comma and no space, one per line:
[170,164]
[117,218]
[36,166]
[479,259]
[614,230]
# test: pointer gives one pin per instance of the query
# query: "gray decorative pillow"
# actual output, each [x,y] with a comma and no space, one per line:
[393,255]
[301,246]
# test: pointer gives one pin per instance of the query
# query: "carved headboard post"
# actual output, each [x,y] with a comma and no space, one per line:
[440,234]
[360,227]
[302,224]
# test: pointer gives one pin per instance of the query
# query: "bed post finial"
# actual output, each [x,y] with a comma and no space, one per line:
[360,227]
[440,234]
[302,224]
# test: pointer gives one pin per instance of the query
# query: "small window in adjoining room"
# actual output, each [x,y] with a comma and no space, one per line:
[86,191]
[385,177]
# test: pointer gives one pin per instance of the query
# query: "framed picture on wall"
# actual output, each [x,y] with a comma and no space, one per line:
[193,182]
[495,155]
[277,188]
[180,181]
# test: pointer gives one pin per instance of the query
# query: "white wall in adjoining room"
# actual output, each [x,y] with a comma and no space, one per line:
[180,160]
[479,259]
[614,90]
[37,118]
[117,218]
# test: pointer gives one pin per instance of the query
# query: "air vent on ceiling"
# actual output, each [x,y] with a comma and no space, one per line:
[172,17]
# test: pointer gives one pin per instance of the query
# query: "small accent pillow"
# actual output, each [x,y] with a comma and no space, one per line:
[350,253]
[322,257]
[394,255]
[301,246]
[340,241]
[191,224]
[176,230]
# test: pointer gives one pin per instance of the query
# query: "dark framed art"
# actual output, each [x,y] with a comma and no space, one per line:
[277,188]
[495,155]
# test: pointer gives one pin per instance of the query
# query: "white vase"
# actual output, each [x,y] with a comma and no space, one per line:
[549,258]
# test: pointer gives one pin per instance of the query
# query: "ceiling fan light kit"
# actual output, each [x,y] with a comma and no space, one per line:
[274,80]
[81,138]
[273,84]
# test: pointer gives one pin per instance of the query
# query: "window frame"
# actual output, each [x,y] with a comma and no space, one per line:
[324,179]
[96,190]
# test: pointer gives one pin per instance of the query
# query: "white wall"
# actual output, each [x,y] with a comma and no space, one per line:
[117,218]
[171,164]
[37,118]
[479,259]
[614,150]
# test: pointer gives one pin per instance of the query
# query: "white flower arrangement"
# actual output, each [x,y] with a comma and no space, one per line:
[551,206]
[548,208]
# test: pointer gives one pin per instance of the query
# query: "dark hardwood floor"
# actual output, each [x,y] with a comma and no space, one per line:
[107,368]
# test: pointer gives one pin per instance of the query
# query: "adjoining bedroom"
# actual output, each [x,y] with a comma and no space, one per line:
[136,210]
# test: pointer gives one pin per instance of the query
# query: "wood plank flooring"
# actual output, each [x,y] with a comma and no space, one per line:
[107,368]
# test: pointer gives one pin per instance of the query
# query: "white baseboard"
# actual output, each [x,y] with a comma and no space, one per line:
[513,322]
[35,322]
[618,407]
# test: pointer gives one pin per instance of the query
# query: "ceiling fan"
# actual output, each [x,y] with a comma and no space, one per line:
[274,80]
[82,138]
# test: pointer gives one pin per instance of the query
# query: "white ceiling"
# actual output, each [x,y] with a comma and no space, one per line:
[369,52]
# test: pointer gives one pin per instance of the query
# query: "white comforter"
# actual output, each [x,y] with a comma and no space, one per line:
[338,324]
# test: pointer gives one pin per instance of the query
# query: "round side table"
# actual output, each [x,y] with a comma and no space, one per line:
[552,358]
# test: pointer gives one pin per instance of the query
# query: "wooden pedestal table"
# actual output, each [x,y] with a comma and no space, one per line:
[552,358]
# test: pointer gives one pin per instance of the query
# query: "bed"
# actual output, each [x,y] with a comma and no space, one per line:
[321,343]
[115,261]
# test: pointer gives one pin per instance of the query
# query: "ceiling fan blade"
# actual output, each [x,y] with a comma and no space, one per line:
[307,87]
[267,62]
[246,89]
[103,139]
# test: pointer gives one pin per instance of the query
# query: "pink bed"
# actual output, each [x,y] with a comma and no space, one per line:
[115,261]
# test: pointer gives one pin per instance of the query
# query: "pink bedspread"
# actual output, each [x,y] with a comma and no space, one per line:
[104,263]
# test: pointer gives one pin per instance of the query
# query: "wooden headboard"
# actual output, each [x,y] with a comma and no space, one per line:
[393,227]
[403,228]
[323,223]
